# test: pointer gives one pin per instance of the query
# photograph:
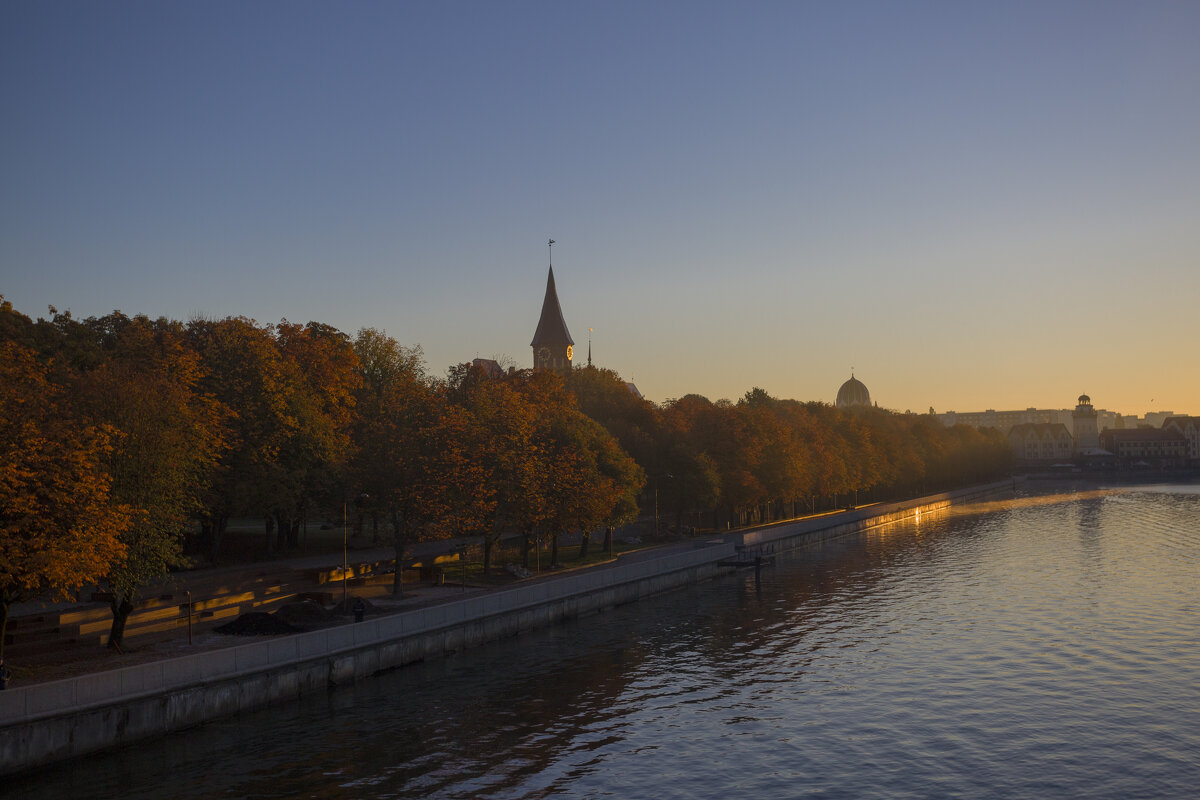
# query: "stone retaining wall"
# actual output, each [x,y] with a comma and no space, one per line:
[52,721]
[47,722]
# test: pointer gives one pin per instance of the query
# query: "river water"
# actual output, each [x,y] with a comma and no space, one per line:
[1045,646]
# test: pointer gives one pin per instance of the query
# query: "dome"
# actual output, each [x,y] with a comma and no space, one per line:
[853,393]
[1084,400]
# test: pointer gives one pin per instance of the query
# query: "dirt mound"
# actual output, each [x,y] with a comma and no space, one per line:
[305,615]
[256,623]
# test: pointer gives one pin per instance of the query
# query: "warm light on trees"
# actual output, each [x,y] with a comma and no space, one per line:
[59,529]
[118,431]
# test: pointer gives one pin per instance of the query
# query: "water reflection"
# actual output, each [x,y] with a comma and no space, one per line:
[1039,646]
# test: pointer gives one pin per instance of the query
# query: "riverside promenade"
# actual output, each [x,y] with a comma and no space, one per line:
[54,720]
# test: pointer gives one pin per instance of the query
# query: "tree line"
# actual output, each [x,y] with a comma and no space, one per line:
[128,440]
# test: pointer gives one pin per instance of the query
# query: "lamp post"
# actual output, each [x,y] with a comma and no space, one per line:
[345,560]
[657,478]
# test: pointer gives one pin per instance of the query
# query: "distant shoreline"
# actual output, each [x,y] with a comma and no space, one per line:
[1133,476]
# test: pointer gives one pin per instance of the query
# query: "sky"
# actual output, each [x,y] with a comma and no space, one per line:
[970,205]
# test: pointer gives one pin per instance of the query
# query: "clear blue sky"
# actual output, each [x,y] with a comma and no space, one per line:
[974,205]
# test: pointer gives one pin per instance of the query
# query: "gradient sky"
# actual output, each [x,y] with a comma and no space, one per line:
[973,204]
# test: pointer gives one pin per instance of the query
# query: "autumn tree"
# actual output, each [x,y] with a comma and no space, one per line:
[509,449]
[59,529]
[245,370]
[414,458]
[588,477]
[605,397]
[169,436]
[385,367]
[317,453]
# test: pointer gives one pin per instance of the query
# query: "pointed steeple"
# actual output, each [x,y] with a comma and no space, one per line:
[551,328]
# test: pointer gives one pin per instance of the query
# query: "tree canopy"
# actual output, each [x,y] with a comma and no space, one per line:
[127,440]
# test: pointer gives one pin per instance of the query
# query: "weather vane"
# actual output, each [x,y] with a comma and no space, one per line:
[550,245]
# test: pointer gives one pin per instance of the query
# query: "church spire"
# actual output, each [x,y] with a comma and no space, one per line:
[552,343]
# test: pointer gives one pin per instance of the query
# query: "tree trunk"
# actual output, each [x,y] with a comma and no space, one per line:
[487,555]
[3,624]
[608,540]
[283,526]
[268,527]
[121,608]
[218,532]
[554,550]
[398,541]
[584,538]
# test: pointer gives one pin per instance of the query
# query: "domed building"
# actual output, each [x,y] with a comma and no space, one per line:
[853,393]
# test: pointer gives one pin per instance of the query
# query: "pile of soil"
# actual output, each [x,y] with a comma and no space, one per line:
[306,615]
[256,623]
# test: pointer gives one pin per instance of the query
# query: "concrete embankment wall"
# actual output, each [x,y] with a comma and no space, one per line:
[784,536]
[52,721]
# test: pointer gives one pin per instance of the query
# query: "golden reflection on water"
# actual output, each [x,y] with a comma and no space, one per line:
[1010,504]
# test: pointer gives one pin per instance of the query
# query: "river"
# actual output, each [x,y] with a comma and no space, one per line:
[1041,646]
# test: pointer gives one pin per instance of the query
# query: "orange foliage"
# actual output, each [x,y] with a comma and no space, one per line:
[58,529]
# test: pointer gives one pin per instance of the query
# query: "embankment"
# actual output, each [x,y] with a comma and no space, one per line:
[53,721]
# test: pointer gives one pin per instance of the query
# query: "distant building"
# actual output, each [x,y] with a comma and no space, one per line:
[1041,441]
[1146,447]
[853,393]
[1156,419]
[1189,429]
[488,366]
[1084,427]
[1004,420]
[553,347]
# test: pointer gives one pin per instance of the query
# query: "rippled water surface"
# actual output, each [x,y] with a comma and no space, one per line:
[1045,646]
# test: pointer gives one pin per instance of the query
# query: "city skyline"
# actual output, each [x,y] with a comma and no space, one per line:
[972,207]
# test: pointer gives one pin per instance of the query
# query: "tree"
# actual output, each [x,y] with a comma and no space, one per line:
[58,528]
[169,437]
[414,451]
[507,447]
[588,477]
[245,370]
[605,397]
[383,365]
[314,457]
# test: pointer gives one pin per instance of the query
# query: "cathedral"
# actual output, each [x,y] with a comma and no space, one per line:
[553,347]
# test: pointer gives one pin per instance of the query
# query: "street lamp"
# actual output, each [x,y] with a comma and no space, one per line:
[345,560]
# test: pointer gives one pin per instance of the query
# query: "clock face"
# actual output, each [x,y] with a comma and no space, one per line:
[570,352]
[543,355]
